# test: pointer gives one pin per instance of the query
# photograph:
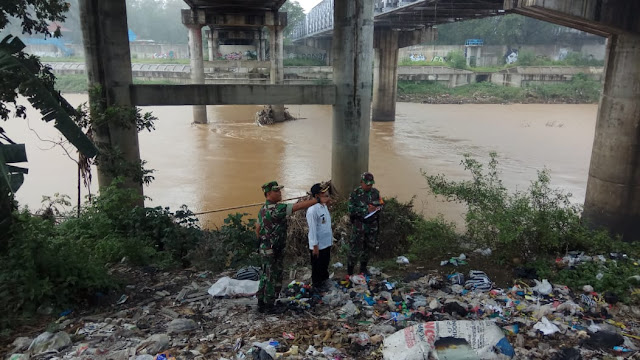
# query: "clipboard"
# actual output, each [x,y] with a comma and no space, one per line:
[371,213]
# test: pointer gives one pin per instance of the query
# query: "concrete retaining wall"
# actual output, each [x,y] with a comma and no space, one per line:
[238,72]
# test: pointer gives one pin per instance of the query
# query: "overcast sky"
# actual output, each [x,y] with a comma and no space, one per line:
[308,4]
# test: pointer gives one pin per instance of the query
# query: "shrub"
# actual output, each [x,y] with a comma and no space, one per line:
[42,266]
[433,238]
[456,60]
[304,62]
[233,245]
[526,58]
[540,221]
[397,225]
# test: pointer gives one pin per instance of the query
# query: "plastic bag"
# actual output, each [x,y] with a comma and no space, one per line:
[227,286]
[542,288]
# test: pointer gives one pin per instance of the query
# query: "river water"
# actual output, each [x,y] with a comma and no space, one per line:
[223,164]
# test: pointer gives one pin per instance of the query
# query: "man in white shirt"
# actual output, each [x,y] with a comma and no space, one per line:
[320,238]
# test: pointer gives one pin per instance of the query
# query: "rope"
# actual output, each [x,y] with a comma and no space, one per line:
[214,211]
[243,206]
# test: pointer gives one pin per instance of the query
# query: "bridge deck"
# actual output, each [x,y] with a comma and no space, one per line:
[402,15]
[235,6]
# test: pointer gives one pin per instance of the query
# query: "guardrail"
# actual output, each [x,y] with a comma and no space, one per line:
[320,18]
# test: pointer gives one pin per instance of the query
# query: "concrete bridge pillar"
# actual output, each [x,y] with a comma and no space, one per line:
[327,46]
[104,28]
[212,42]
[613,188]
[353,50]
[276,53]
[197,69]
[385,75]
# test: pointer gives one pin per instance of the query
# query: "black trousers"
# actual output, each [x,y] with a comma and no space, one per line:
[320,266]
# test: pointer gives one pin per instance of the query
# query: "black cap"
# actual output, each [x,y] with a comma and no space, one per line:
[317,189]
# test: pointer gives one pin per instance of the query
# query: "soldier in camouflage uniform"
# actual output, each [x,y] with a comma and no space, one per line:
[271,230]
[364,200]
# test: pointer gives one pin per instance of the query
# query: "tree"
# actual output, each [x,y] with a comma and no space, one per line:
[510,30]
[157,20]
[24,75]
[295,14]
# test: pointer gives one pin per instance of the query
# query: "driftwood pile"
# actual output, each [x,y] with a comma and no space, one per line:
[265,116]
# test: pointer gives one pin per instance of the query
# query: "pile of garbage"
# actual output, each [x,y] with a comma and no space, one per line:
[192,315]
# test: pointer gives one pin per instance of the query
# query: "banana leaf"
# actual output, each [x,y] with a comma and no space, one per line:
[49,102]
[12,176]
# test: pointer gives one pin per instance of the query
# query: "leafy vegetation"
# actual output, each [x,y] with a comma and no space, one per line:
[66,263]
[511,30]
[456,60]
[529,58]
[24,75]
[524,224]
[581,89]
[77,83]
[303,62]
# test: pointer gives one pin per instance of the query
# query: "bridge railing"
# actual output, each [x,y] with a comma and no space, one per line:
[320,18]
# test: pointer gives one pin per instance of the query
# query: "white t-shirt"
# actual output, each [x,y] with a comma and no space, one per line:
[319,221]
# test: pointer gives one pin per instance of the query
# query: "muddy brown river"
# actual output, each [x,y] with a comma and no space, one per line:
[222,164]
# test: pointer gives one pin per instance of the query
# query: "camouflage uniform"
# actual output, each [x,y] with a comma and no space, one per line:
[273,235]
[364,232]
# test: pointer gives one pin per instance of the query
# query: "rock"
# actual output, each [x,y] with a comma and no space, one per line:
[177,326]
[154,344]
[48,342]
[21,343]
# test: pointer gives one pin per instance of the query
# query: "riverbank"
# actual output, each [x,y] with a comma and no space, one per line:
[580,90]
[77,84]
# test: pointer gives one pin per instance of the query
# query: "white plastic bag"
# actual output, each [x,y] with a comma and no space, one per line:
[417,342]
[546,326]
[227,286]
[542,288]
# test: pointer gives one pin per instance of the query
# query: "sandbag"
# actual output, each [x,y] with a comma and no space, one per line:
[417,342]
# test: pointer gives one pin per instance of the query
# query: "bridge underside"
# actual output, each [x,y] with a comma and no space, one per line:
[419,15]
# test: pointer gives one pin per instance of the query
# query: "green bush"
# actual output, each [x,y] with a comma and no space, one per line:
[611,276]
[581,88]
[433,238]
[42,266]
[539,221]
[397,224]
[304,62]
[456,60]
[233,245]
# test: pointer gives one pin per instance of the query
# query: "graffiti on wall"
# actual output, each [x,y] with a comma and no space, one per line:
[417,57]
[167,55]
[315,56]
[511,56]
